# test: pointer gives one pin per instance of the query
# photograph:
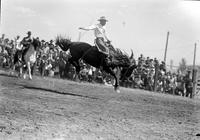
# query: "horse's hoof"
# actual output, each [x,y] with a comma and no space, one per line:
[19,75]
[11,73]
[24,76]
[118,91]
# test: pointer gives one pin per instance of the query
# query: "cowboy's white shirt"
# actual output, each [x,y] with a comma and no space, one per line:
[18,44]
[99,30]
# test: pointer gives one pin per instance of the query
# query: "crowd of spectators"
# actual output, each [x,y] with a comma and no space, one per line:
[150,74]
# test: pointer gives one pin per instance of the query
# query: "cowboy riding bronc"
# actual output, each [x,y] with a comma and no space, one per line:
[101,40]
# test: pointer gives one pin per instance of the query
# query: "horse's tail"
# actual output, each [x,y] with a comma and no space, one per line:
[63,43]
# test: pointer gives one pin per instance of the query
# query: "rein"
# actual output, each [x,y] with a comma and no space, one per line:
[85,53]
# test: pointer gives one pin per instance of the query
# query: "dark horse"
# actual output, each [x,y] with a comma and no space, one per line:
[91,55]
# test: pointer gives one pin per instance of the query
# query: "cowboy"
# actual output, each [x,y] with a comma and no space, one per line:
[26,41]
[100,34]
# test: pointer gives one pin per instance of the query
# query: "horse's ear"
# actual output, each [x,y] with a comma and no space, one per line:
[131,57]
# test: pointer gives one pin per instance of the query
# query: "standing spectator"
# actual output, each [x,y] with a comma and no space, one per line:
[188,83]
[2,43]
[51,45]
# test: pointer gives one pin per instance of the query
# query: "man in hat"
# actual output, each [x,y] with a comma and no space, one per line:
[26,41]
[100,35]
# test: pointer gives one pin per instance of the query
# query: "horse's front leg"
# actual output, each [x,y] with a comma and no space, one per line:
[29,70]
[116,77]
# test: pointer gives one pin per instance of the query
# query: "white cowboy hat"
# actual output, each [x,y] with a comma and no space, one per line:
[103,18]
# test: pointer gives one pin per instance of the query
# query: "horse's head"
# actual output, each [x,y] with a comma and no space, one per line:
[36,43]
[128,70]
[119,58]
[63,43]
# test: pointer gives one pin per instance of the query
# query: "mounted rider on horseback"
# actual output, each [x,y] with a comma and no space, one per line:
[101,40]
[22,47]
[26,41]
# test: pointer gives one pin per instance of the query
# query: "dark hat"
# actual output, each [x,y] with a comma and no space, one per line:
[6,39]
[102,18]
[29,32]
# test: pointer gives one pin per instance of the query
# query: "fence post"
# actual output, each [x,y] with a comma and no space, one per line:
[194,81]
[156,77]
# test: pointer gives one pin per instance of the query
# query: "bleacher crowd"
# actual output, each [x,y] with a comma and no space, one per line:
[150,74]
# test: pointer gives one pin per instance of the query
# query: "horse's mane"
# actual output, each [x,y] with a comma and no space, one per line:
[119,58]
[36,43]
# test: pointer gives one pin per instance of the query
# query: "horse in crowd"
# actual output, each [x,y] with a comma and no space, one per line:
[90,55]
[29,59]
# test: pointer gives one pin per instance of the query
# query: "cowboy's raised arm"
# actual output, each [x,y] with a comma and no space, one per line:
[92,27]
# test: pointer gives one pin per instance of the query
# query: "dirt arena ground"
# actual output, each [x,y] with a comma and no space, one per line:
[55,109]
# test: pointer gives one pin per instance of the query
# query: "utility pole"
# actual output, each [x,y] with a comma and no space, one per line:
[165,55]
[0,12]
[194,73]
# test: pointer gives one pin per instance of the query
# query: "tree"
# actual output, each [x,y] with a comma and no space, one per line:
[182,65]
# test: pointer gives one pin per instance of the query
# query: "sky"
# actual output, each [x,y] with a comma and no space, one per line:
[140,25]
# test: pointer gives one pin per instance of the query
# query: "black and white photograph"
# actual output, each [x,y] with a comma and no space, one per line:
[99,69]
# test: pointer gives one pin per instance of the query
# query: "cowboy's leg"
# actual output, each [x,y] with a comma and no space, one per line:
[102,46]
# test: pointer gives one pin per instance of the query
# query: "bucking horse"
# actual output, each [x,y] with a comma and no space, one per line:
[90,55]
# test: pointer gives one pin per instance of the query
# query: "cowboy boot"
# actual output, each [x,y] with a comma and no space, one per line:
[108,60]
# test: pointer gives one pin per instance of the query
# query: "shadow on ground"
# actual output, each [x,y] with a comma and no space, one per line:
[7,75]
[55,91]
